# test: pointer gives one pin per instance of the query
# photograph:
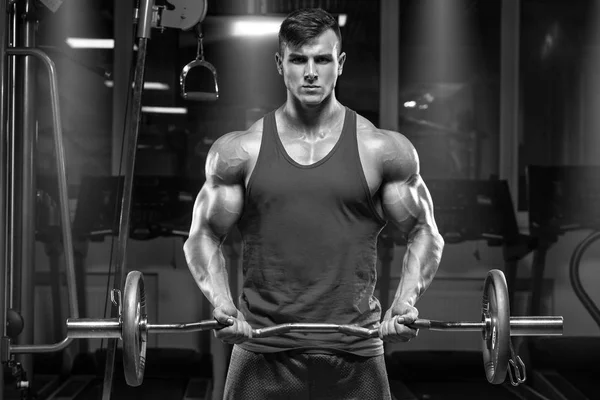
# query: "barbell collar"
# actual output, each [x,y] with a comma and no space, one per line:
[90,328]
[536,326]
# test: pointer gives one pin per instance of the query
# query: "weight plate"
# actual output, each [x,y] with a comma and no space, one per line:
[14,323]
[496,336]
[134,332]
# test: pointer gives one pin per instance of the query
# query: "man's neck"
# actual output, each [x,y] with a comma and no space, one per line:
[313,121]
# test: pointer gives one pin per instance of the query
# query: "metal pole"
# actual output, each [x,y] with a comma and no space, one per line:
[40,348]
[53,252]
[63,197]
[27,185]
[509,96]
[65,219]
[121,250]
[12,129]
[122,56]
[13,207]
[3,165]
[389,64]
[132,118]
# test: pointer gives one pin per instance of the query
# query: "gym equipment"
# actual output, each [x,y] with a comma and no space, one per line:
[199,61]
[496,326]
[147,16]
[161,206]
[18,185]
[471,210]
[562,199]
[179,14]
[575,278]
[14,323]
[465,210]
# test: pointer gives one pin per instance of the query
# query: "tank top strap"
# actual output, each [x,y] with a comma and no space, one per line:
[348,137]
[269,141]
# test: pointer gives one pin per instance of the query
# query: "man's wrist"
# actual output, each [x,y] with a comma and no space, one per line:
[223,302]
[402,303]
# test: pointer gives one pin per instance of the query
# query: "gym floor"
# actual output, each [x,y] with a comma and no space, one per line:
[183,375]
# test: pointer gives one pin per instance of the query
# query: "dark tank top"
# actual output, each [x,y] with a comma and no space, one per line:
[310,246]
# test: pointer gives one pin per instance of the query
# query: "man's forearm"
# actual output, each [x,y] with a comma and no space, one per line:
[204,256]
[420,264]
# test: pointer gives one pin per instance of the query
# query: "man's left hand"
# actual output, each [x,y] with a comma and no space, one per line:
[394,329]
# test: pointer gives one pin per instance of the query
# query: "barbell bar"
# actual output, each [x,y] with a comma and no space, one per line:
[90,328]
[496,326]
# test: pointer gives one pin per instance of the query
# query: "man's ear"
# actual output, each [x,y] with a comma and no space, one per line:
[341,61]
[279,63]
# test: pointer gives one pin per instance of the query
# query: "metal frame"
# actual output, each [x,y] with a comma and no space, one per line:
[132,124]
[509,97]
[147,17]
[3,169]
[63,194]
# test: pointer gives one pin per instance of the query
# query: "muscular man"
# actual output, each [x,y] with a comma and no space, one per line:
[310,187]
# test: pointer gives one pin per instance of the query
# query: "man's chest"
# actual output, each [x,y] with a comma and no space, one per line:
[311,152]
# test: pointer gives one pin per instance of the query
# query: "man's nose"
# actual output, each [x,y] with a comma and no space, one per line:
[311,72]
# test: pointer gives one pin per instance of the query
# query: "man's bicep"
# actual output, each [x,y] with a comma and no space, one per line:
[217,209]
[220,201]
[408,204]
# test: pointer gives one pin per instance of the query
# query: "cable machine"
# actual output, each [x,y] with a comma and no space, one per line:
[18,189]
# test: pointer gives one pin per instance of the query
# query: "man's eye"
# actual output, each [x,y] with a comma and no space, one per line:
[323,60]
[296,60]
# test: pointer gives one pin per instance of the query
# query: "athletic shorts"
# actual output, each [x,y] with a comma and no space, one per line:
[303,376]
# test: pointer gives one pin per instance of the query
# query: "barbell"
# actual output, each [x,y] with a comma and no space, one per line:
[496,326]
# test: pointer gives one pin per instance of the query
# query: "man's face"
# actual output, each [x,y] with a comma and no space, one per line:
[310,71]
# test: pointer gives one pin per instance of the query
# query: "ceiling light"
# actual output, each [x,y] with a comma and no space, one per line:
[86,43]
[156,86]
[256,27]
[164,110]
[147,85]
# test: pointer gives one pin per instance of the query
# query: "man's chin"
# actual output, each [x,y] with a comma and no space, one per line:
[311,100]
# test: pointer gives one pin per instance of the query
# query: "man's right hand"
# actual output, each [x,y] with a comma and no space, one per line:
[237,329]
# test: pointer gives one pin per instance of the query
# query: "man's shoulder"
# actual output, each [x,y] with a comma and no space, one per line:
[232,153]
[392,150]
[381,140]
[241,144]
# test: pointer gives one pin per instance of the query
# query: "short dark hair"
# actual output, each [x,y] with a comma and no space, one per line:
[301,26]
